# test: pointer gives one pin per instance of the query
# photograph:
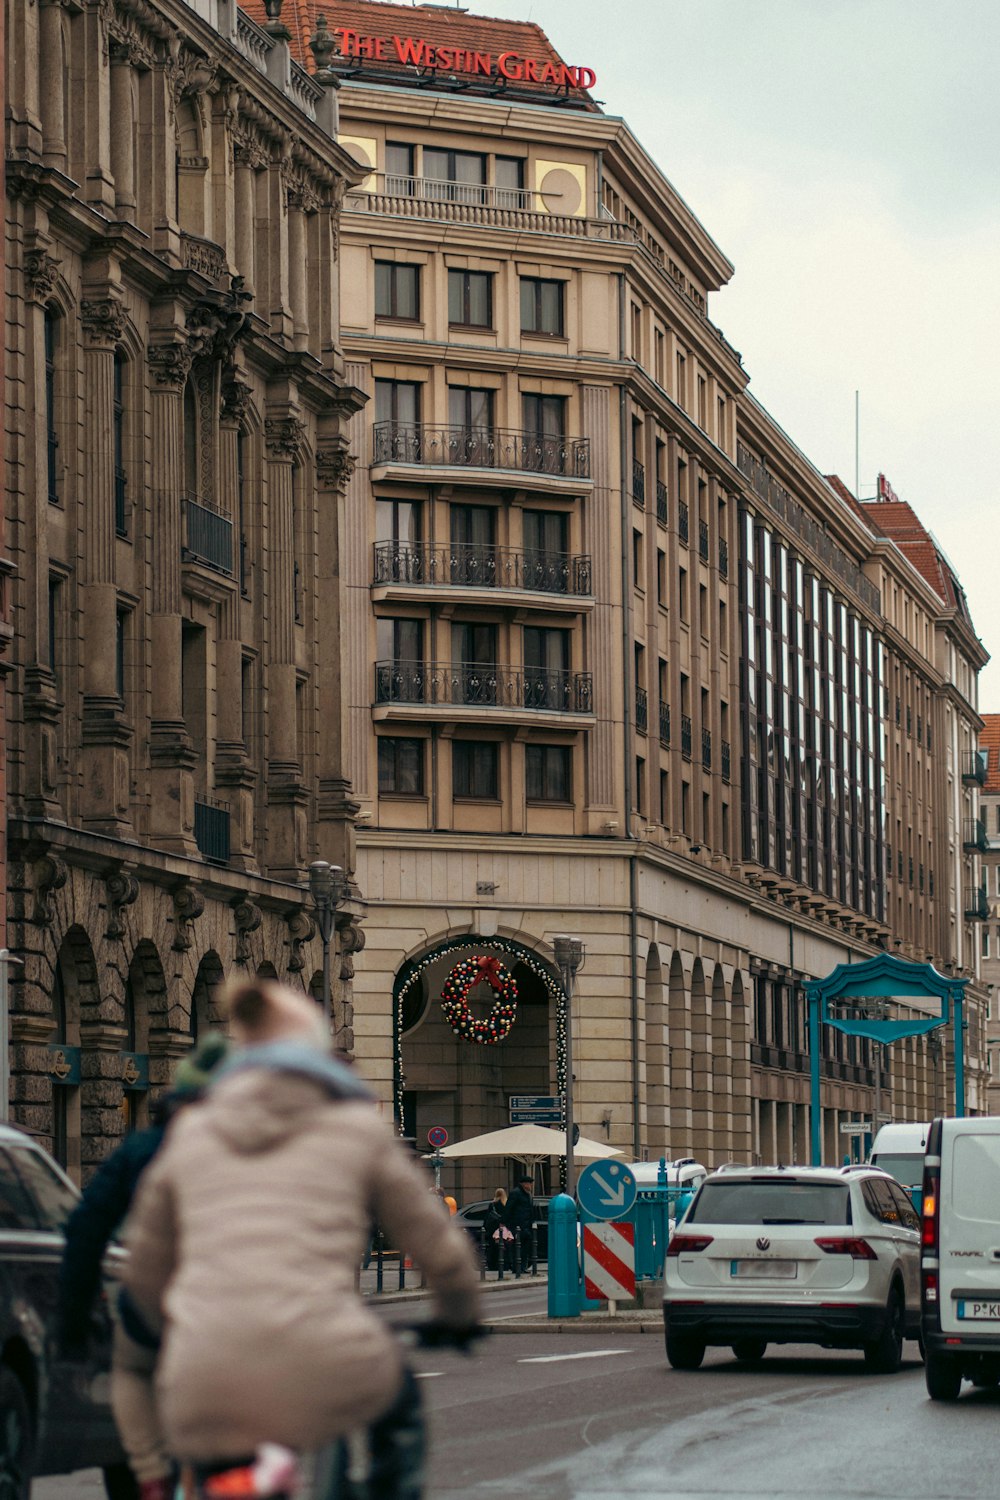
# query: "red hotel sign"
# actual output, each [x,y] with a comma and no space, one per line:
[423,54]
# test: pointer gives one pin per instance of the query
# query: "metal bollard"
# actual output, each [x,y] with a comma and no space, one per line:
[517,1254]
[379,1261]
[482,1257]
[534,1249]
[501,1256]
[402,1268]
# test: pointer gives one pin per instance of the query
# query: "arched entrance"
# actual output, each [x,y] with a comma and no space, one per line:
[204,1012]
[442,1079]
[74,991]
[145,1000]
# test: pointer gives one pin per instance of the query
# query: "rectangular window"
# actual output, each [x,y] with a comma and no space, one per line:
[986,941]
[397,401]
[400,640]
[470,299]
[474,770]
[638,581]
[545,532]
[508,175]
[474,663]
[52,438]
[122,622]
[547,773]
[397,291]
[399,169]
[541,306]
[397,521]
[55,623]
[473,560]
[661,577]
[400,767]
[470,408]
[680,395]
[640,786]
[457,176]
[545,416]
[118,444]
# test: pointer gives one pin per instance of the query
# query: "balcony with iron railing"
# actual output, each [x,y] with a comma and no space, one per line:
[976,904]
[665,725]
[703,540]
[723,557]
[661,502]
[727,760]
[686,736]
[497,448]
[638,482]
[683,527]
[211,830]
[208,536]
[706,749]
[472,566]
[641,710]
[975,770]
[974,836]
[483,686]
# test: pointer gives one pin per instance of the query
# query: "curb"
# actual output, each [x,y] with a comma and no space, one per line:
[616,1326]
[420,1294]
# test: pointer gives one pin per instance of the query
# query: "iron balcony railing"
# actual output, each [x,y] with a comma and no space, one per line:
[975,836]
[686,736]
[706,749]
[641,710]
[727,760]
[208,536]
[723,557]
[471,566]
[665,724]
[484,685]
[481,448]
[703,540]
[638,482]
[683,528]
[211,830]
[976,904]
[661,502]
[976,767]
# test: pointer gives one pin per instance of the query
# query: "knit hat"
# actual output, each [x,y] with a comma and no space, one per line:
[194,1071]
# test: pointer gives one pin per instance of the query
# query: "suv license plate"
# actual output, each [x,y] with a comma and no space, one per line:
[786,1270]
[989,1311]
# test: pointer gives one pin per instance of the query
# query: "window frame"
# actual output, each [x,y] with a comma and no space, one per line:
[469,748]
[535,328]
[466,320]
[546,753]
[397,741]
[395,270]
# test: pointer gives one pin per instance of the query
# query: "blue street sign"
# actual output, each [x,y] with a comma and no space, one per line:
[606,1189]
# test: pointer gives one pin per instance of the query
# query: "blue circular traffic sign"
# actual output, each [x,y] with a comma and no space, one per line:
[606,1189]
[437,1136]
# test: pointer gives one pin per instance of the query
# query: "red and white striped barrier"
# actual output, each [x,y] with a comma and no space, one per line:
[609,1261]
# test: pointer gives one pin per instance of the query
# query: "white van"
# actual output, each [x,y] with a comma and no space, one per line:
[960,1255]
[899,1150]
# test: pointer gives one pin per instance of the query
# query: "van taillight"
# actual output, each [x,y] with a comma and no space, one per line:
[930,1286]
[857,1249]
[682,1244]
[929,1219]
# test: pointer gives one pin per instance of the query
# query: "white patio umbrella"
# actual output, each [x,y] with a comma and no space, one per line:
[530,1144]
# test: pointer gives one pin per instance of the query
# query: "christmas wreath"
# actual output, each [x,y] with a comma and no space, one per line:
[455,1000]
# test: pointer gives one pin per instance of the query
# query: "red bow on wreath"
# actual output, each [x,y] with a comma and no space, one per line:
[489,969]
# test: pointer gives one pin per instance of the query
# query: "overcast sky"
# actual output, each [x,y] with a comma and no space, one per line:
[843,154]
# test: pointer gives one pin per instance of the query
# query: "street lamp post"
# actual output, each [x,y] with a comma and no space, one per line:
[324,886]
[569,954]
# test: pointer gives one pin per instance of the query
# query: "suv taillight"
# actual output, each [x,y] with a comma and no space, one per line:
[682,1244]
[857,1249]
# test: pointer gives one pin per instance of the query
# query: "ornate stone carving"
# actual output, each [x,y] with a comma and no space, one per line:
[189,74]
[237,396]
[121,890]
[301,195]
[352,940]
[104,322]
[170,363]
[203,256]
[334,466]
[283,436]
[248,918]
[249,151]
[51,875]
[188,907]
[40,272]
[301,930]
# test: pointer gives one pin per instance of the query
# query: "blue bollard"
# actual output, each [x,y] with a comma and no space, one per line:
[564,1264]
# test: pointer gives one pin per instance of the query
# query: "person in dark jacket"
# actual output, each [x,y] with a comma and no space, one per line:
[495,1231]
[519,1216]
[91,1226]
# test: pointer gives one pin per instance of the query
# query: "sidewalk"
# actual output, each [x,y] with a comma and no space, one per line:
[414,1292]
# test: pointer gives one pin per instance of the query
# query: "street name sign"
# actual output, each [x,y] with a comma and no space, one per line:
[609,1261]
[535,1109]
[606,1190]
[854,1127]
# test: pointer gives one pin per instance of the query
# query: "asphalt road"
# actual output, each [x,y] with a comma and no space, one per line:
[600,1415]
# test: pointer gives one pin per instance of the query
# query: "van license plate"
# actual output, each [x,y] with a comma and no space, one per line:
[988,1311]
[786,1270]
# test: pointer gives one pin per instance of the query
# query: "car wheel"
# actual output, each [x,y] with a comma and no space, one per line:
[684,1351]
[885,1354]
[750,1350]
[943,1375]
[16,1438]
[120,1483]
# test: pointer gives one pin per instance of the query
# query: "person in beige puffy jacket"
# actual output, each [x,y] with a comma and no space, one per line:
[246,1233]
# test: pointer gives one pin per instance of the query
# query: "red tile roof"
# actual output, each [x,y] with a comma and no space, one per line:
[438,26]
[989,740]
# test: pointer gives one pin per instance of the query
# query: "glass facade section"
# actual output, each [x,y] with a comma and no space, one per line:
[812,731]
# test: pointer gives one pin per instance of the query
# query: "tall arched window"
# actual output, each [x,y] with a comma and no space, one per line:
[52,321]
[119,439]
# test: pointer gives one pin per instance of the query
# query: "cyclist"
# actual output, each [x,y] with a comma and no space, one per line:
[244,1240]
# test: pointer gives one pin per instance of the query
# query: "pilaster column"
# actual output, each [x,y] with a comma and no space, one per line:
[286,793]
[172,757]
[297,269]
[122,130]
[245,193]
[53,44]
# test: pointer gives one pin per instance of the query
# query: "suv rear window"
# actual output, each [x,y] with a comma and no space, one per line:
[767,1201]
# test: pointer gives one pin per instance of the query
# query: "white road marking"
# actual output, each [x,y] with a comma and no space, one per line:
[428,1374]
[552,1359]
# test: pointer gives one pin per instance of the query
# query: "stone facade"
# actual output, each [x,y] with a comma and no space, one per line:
[989,771]
[176,461]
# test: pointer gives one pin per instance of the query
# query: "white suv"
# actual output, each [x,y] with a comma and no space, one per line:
[796,1255]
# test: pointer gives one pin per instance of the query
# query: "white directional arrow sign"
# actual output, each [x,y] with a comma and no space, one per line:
[606,1190]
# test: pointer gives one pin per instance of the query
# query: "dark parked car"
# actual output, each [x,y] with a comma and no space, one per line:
[473,1214]
[55,1415]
